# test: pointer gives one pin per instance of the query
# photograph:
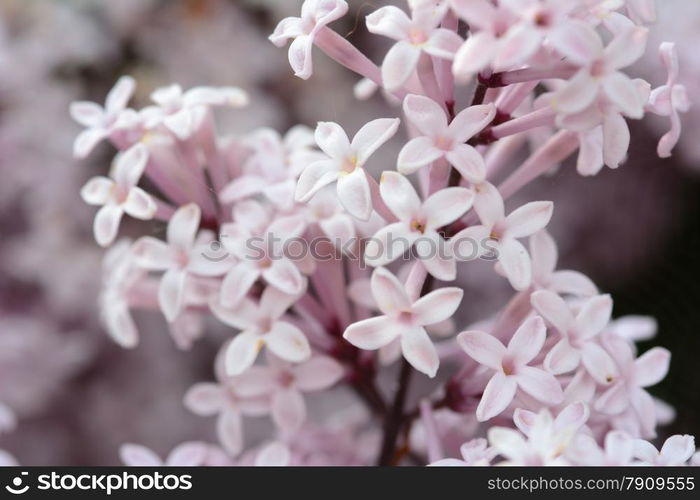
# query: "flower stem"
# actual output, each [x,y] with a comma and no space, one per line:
[394,418]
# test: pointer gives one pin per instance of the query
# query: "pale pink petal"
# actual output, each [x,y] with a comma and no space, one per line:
[121,326]
[419,351]
[527,341]
[399,195]
[371,136]
[613,401]
[468,162]
[152,253]
[417,153]
[572,282]
[644,407]
[106,224]
[135,455]
[544,255]
[578,42]
[488,204]
[446,206]
[300,58]
[288,342]
[483,348]
[474,55]
[616,139]
[498,394]
[678,449]
[389,21]
[593,316]
[590,156]
[256,381]
[314,177]
[285,276]
[389,293]
[425,114]
[119,96]
[181,123]
[621,90]
[190,454]
[274,302]
[87,140]
[289,27]
[317,374]
[554,309]
[399,64]
[372,333]
[433,252]
[88,114]
[443,43]
[478,13]
[519,43]
[529,219]
[288,409]
[471,243]
[97,191]
[389,243]
[540,385]
[237,283]
[577,94]
[183,226]
[229,428]
[508,442]
[626,48]
[524,419]
[573,416]
[437,305]
[339,229]
[562,358]
[598,363]
[129,165]
[171,293]
[241,352]
[274,454]
[670,138]
[242,187]
[332,140]
[205,399]
[515,260]
[645,451]
[471,121]
[139,204]
[354,194]
[652,366]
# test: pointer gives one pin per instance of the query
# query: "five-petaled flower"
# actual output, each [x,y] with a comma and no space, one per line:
[404,319]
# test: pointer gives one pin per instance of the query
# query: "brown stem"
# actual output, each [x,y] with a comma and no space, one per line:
[394,418]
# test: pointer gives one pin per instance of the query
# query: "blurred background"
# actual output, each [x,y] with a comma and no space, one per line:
[635,231]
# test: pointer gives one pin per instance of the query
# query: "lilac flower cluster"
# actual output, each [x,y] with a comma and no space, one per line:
[549,379]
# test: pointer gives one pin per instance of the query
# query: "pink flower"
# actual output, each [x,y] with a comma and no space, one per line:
[511,366]
[274,454]
[676,450]
[189,454]
[504,232]
[260,326]
[256,239]
[599,72]
[635,375]
[285,384]
[618,449]
[345,162]
[404,319]
[579,335]
[224,400]
[180,256]
[416,35]
[544,255]
[418,224]
[100,120]
[182,112]
[443,140]
[118,194]
[315,14]
[572,417]
[669,100]
[544,446]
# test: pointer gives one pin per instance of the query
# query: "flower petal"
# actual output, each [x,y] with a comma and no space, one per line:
[540,385]
[598,363]
[371,136]
[288,409]
[498,394]
[515,260]
[578,42]
[528,219]
[399,195]
[241,353]
[417,153]
[229,428]
[285,276]
[554,309]
[389,243]
[652,366]
[572,282]
[562,358]
[616,139]
[471,121]
[314,177]
[446,206]
[317,374]
[139,204]
[594,316]
[129,165]
[425,114]
[354,194]
[474,55]
[97,191]
[527,341]
[437,306]
[300,58]
[399,64]
[205,399]
[419,351]
[237,283]
[388,292]
[468,162]
[183,226]
[119,96]
[288,342]
[488,204]
[106,224]
[171,293]
[332,140]
[372,333]
[135,455]
[483,348]
[389,21]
